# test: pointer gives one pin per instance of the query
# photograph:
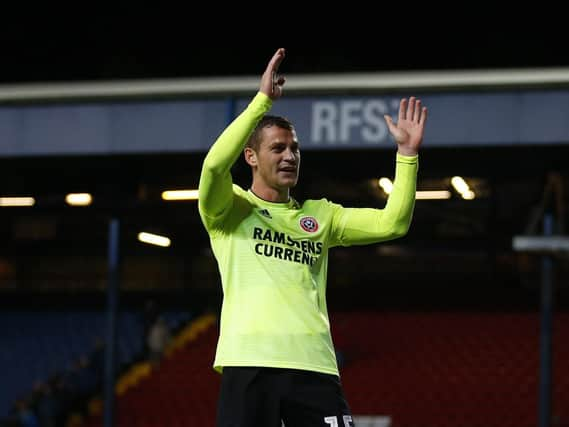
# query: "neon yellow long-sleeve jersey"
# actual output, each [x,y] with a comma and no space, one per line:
[273,257]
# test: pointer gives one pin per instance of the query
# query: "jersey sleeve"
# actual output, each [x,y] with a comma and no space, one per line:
[216,184]
[360,226]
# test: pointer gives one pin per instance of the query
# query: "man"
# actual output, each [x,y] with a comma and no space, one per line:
[275,348]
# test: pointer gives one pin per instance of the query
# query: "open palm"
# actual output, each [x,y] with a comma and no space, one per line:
[409,129]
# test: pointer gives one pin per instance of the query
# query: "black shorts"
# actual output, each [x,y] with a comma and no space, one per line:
[266,397]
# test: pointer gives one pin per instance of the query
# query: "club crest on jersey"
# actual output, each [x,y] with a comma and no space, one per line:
[309,224]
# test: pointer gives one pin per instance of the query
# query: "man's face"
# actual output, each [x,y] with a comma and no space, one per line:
[277,160]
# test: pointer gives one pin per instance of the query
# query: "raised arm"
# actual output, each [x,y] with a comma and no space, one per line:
[215,187]
[357,226]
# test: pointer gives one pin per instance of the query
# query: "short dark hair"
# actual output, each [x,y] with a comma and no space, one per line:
[267,121]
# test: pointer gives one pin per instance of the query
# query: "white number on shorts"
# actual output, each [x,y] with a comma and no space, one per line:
[333,421]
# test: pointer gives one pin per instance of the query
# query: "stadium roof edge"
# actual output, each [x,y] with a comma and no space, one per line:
[300,84]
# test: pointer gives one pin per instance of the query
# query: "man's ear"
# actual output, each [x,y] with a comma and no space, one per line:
[250,156]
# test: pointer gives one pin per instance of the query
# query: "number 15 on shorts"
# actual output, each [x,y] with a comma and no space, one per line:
[333,421]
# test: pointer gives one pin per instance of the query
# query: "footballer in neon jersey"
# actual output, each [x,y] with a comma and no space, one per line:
[272,255]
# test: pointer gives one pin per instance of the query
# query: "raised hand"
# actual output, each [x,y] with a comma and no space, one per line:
[409,129]
[271,82]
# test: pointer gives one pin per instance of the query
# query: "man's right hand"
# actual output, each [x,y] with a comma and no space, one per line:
[271,82]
